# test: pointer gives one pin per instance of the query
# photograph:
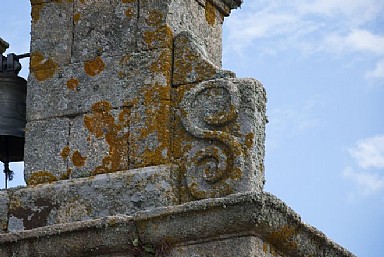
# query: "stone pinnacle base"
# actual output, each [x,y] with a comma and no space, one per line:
[252,224]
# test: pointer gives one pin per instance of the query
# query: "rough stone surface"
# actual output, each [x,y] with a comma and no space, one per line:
[104,27]
[51,36]
[243,247]
[4,202]
[42,155]
[260,223]
[107,68]
[139,144]
[210,36]
[219,137]
[104,195]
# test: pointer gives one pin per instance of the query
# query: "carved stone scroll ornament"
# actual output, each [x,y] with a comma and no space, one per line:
[215,163]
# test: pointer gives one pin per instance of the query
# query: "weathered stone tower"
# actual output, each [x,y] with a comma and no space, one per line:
[139,144]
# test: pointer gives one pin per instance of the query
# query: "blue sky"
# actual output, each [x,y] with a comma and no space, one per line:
[322,64]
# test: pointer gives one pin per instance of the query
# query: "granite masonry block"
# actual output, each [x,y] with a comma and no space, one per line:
[108,237]
[244,246]
[121,81]
[100,196]
[99,141]
[153,30]
[44,142]
[228,226]
[150,132]
[205,23]
[218,137]
[4,202]
[104,27]
[191,63]
[51,36]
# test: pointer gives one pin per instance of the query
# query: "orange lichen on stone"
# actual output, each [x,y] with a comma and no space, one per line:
[35,11]
[72,84]
[159,33]
[43,68]
[189,64]
[65,152]
[157,124]
[210,13]
[94,66]
[283,239]
[129,13]
[41,177]
[249,140]
[77,159]
[101,123]
[76,17]
[163,65]
[128,1]
[66,175]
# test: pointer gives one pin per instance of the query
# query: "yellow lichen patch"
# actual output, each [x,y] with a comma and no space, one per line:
[210,13]
[41,177]
[76,17]
[77,159]
[35,11]
[129,13]
[128,1]
[249,140]
[190,65]
[43,68]
[125,59]
[65,152]
[72,84]
[163,65]
[94,66]
[283,238]
[157,123]
[159,34]
[265,248]
[66,175]
[101,123]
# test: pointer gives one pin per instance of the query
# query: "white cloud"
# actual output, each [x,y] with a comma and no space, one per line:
[367,183]
[358,40]
[378,72]
[352,12]
[318,26]
[369,152]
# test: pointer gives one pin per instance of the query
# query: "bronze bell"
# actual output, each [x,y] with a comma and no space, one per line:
[13,91]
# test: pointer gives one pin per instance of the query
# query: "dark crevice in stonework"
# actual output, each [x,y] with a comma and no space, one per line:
[73,30]
[173,61]
[68,146]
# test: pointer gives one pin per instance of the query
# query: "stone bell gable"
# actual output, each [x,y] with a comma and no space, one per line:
[138,143]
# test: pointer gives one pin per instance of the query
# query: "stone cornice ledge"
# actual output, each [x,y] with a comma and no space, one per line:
[249,214]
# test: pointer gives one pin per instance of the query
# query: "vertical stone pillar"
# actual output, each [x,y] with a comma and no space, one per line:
[111,88]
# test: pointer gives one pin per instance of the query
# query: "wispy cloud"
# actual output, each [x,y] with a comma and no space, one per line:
[378,72]
[367,183]
[319,26]
[369,152]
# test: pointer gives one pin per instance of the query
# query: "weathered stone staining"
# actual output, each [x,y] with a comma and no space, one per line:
[139,144]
